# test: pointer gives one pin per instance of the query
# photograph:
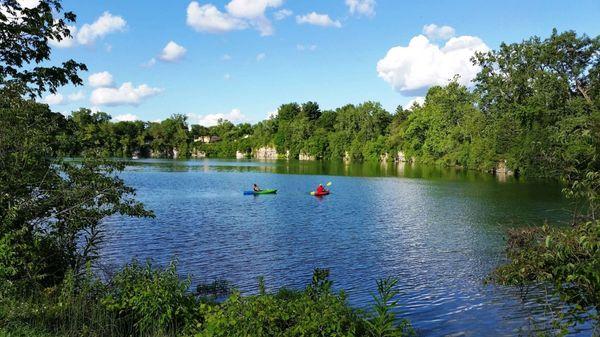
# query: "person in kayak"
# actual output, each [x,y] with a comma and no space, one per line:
[321,189]
[255,188]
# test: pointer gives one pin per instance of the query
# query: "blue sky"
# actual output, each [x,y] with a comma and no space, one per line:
[235,59]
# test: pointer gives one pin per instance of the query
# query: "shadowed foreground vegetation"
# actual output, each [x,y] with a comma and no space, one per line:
[142,300]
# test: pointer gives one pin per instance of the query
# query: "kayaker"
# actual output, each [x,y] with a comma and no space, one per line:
[321,189]
[255,188]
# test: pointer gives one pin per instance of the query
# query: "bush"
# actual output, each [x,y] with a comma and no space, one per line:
[316,311]
[151,299]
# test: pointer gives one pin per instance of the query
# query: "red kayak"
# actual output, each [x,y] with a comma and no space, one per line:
[316,194]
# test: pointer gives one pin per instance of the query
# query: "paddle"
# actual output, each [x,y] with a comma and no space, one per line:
[328,184]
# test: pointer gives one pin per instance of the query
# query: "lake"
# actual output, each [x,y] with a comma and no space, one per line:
[439,231]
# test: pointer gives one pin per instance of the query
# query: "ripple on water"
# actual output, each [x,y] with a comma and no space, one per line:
[439,237]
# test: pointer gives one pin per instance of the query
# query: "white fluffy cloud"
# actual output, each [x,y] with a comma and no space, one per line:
[261,56]
[226,57]
[16,15]
[435,32]
[101,79]
[282,14]
[172,52]
[104,25]
[316,19]
[361,7]
[54,99]
[59,99]
[417,100]
[126,94]
[239,14]
[411,70]
[89,33]
[251,9]
[207,18]
[66,42]
[126,118]
[234,116]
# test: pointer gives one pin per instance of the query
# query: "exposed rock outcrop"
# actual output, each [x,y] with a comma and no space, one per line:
[305,156]
[502,169]
[347,157]
[198,154]
[266,152]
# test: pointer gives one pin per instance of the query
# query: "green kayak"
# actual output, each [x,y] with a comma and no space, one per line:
[260,192]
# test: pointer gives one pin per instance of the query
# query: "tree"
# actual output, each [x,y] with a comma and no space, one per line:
[311,110]
[24,36]
[50,210]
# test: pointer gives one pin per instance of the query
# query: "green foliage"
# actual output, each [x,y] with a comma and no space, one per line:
[149,298]
[50,209]
[316,311]
[567,259]
[384,322]
[24,36]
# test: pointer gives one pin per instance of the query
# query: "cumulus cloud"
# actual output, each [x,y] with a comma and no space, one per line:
[89,33]
[261,56]
[226,57]
[239,15]
[316,19]
[126,118]
[104,25]
[361,7]
[235,116]
[419,100]
[16,14]
[207,18]
[66,42]
[126,94]
[101,79]
[172,52]
[60,99]
[435,32]
[411,70]
[251,9]
[282,14]
[54,99]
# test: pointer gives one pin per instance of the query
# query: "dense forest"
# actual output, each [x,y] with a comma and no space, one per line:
[530,110]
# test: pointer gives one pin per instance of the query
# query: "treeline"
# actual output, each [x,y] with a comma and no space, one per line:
[531,110]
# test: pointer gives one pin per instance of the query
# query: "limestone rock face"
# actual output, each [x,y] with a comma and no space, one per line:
[347,157]
[502,169]
[198,154]
[240,155]
[305,156]
[400,157]
[384,157]
[266,152]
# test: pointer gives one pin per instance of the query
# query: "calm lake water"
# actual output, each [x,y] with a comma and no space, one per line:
[439,231]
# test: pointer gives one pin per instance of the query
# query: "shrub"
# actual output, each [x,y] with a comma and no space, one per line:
[151,299]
